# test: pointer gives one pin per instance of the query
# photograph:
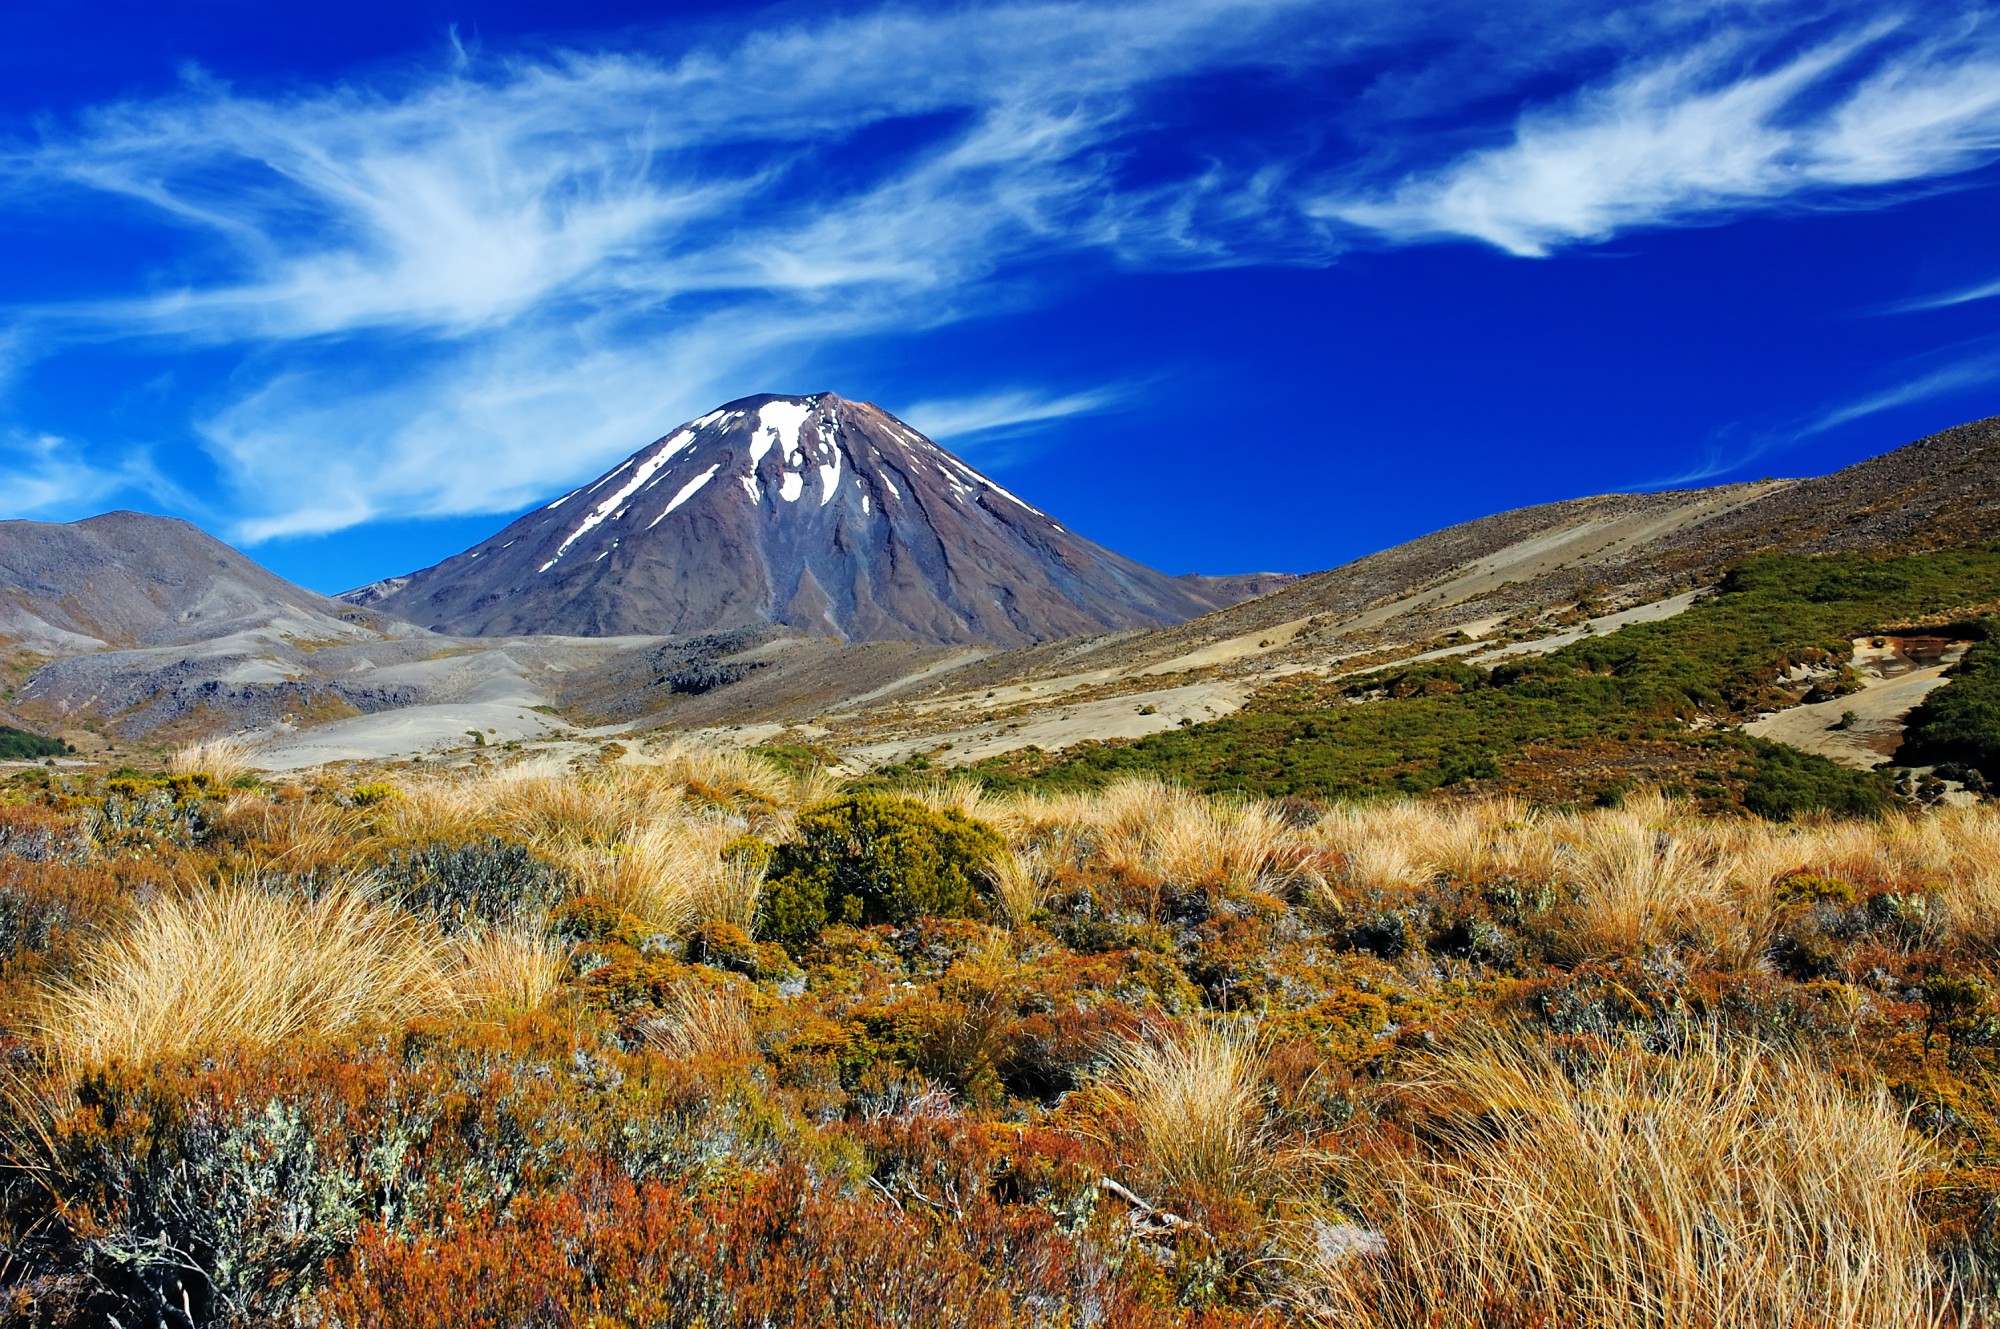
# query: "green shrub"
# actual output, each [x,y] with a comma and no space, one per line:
[748,852]
[1683,682]
[16,744]
[1959,724]
[592,918]
[866,859]
[1788,783]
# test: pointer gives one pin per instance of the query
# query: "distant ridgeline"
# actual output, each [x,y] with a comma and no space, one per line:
[16,744]
[1653,704]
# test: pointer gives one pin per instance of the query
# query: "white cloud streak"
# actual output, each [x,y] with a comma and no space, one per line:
[463,289]
[1703,135]
[1971,372]
[43,475]
[957,419]
[1964,295]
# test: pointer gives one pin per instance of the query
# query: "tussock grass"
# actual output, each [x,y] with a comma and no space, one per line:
[241,964]
[645,834]
[297,837]
[1193,1097]
[1017,884]
[726,891]
[733,776]
[1959,850]
[1635,886]
[1727,1184]
[670,874]
[703,1023]
[1144,828]
[219,759]
[517,968]
[1392,847]
[1543,1176]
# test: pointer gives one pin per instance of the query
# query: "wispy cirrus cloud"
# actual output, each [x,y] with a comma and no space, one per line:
[454,289]
[1975,370]
[1009,410]
[1963,295]
[1707,133]
[1962,370]
[42,473]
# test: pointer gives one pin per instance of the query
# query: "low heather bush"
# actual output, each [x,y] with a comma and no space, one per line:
[469,886]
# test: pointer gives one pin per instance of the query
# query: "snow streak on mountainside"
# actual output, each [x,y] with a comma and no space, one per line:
[828,516]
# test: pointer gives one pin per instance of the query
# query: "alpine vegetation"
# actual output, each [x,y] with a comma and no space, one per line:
[644,1042]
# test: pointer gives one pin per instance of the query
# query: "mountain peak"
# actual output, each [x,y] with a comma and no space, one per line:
[816,512]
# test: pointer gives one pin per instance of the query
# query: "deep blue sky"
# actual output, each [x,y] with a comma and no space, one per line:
[1226,284]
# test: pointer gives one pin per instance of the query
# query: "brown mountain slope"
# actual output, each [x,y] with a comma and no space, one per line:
[1524,572]
[1613,550]
[129,579]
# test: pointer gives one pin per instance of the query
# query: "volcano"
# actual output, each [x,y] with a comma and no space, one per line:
[827,516]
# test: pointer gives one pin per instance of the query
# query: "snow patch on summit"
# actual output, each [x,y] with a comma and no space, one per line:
[778,422]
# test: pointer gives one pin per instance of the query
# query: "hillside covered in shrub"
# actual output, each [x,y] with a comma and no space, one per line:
[1651,704]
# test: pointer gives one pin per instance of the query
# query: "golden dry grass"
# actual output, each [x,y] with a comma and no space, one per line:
[297,837]
[218,758]
[1144,828]
[1193,1099]
[242,964]
[646,834]
[1634,886]
[1725,1185]
[702,1022]
[510,969]
[670,874]
[1016,877]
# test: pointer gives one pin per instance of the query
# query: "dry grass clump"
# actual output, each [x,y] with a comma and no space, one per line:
[1017,879]
[701,1023]
[671,874]
[728,775]
[298,837]
[1958,851]
[1379,846]
[517,968]
[1194,1101]
[1392,847]
[219,759]
[1144,828]
[241,964]
[726,891]
[1635,886]
[1725,1185]
[645,834]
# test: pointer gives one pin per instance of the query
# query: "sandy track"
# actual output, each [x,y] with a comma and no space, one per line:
[1113,717]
